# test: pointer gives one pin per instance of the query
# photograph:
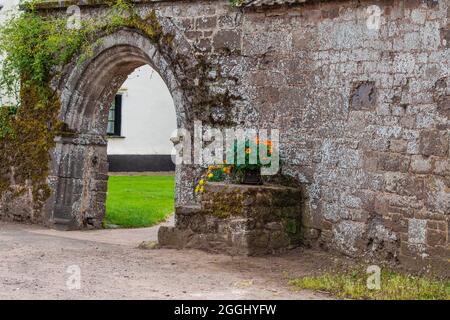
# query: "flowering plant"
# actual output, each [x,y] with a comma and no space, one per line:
[260,160]
[215,173]
[237,169]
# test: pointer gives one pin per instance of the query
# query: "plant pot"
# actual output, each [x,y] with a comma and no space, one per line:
[252,177]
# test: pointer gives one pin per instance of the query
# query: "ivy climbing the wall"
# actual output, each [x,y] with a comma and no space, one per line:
[33,48]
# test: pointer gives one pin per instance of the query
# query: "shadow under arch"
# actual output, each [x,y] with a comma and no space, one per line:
[79,168]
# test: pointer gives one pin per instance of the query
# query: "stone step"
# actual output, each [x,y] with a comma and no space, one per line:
[188,209]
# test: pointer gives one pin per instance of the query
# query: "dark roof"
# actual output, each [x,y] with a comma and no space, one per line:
[258,3]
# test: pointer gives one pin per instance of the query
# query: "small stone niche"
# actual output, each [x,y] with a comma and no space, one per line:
[238,220]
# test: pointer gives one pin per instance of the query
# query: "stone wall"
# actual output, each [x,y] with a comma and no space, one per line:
[363,112]
[365,120]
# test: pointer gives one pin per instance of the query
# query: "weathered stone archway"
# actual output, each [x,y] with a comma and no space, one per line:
[363,113]
[79,168]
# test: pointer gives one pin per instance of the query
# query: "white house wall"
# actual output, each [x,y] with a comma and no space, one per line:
[148,120]
[7,9]
[9,6]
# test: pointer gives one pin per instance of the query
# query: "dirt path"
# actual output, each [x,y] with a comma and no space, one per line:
[34,262]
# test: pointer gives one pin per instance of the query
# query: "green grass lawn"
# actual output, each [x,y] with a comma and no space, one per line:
[139,201]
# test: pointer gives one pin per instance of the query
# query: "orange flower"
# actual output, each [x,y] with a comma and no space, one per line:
[247,150]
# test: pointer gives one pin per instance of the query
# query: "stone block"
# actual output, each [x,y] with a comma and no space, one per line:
[434,143]
[171,237]
[421,165]
[399,146]
[206,23]
[393,162]
[417,231]
[227,39]
[437,238]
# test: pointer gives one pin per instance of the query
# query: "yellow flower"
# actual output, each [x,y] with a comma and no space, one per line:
[201,182]
[210,175]
[196,189]
[201,189]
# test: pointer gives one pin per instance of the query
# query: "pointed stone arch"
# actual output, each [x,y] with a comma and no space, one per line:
[79,169]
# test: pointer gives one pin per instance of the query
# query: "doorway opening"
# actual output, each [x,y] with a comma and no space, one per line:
[141,178]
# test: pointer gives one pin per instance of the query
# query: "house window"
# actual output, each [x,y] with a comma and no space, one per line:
[115,117]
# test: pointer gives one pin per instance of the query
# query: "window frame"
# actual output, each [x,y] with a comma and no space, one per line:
[117,117]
